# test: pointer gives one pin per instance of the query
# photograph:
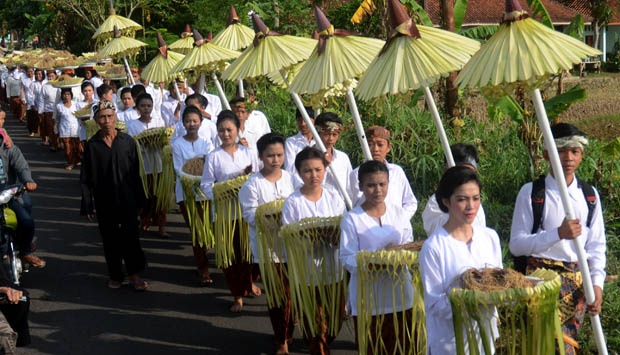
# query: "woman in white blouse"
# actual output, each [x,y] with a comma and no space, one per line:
[314,200]
[452,249]
[226,162]
[271,183]
[67,127]
[149,214]
[183,149]
[375,225]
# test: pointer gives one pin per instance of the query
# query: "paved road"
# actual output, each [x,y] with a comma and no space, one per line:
[73,312]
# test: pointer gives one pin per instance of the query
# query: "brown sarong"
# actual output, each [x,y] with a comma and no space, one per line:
[48,128]
[18,108]
[72,149]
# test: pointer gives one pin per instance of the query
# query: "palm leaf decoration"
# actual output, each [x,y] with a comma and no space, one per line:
[197,204]
[271,251]
[160,68]
[528,318]
[383,278]
[227,219]
[315,273]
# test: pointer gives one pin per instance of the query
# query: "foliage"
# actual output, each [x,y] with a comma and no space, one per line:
[576,27]
[480,32]
[460,6]
[539,11]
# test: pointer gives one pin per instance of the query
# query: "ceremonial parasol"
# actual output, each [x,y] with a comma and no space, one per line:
[338,58]
[160,68]
[269,53]
[185,44]
[126,26]
[523,53]
[121,47]
[235,36]
[207,58]
[413,57]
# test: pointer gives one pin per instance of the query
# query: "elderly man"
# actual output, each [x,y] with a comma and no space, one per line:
[110,175]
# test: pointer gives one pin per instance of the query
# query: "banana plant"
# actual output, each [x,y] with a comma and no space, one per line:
[519,110]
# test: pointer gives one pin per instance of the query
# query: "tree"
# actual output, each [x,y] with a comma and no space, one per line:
[601,15]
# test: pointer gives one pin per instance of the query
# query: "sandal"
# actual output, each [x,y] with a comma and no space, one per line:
[139,285]
[114,284]
[206,281]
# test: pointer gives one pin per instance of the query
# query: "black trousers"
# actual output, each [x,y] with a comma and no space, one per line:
[121,243]
[17,316]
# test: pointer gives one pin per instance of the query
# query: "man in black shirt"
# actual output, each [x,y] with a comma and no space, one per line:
[111,176]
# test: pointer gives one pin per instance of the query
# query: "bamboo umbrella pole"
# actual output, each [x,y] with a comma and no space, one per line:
[128,70]
[359,128]
[220,91]
[443,138]
[319,142]
[558,174]
[240,88]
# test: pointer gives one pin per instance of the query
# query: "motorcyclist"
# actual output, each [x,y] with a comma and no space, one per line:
[14,169]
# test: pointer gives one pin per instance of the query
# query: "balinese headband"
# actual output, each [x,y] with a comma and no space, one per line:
[571,142]
[103,105]
[329,126]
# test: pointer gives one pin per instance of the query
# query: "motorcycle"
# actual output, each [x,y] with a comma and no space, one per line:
[8,225]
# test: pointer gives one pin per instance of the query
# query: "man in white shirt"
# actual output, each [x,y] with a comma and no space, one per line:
[399,192]
[550,244]
[253,124]
[208,129]
[296,143]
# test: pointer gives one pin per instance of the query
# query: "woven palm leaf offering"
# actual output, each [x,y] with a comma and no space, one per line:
[66,81]
[315,272]
[151,143]
[197,204]
[385,278]
[112,72]
[412,246]
[525,310]
[84,112]
[227,216]
[271,250]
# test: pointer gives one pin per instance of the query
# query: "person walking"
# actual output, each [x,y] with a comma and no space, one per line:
[110,176]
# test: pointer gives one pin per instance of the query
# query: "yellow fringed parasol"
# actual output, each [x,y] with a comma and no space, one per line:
[316,276]
[227,216]
[338,58]
[383,278]
[413,57]
[159,68]
[527,317]
[235,36]
[523,53]
[185,44]
[269,54]
[197,204]
[105,31]
[120,48]
[271,250]
[207,58]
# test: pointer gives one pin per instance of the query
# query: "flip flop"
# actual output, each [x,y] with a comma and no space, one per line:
[139,285]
